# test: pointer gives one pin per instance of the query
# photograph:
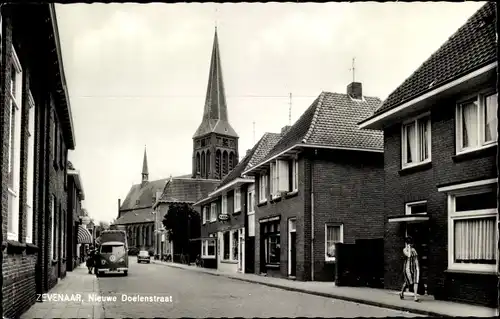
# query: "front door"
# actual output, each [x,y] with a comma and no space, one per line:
[420,234]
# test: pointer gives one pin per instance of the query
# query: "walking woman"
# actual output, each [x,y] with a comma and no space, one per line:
[411,269]
[91,259]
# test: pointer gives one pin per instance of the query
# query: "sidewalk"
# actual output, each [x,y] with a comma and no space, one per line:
[77,283]
[370,296]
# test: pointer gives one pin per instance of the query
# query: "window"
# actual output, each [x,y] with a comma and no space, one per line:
[213,212]
[333,234]
[224,204]
[237,200]
[476,123]
[15,104]
[472,229]
[271,242]
[118,250]
[294,175]
[226,244]
[274,180]
[53,227]
[262,188]
[30,169]
[206,215]
[416,208]
[251,199]
[283,177]
[208,248]
[416,141]
[235,245]
[251,225]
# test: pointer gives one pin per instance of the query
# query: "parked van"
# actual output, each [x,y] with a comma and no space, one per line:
[113,253]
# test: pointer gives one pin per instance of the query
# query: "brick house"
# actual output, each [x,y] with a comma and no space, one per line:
[319,185]
[36,133]
[76,233]
[440,133]
[227,230]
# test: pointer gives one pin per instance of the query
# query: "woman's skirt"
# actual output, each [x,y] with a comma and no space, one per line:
[411,271]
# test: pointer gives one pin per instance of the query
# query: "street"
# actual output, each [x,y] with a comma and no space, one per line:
[196,294]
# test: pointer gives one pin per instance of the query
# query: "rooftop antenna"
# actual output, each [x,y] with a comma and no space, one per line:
[290,111]
[254,132]
[353,69]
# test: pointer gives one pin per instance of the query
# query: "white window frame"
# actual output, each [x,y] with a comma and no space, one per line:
[204,213]
[224,204]
[327,258]
[52,227]
[213,212]
[15,150]
[204,249]
[263,188]
[416,121]
[408,207]
[273,173]
[30,169]
[295,175]
[251,225]
[481,143]
[452,216]
[251,199]
[237,200]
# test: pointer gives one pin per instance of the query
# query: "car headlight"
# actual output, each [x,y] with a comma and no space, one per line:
[103,262]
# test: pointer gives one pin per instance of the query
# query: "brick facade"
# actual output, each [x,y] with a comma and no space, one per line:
[346,188]
[25,267]
[421,184]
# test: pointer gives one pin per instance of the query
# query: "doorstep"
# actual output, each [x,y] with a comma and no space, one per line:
[370,296]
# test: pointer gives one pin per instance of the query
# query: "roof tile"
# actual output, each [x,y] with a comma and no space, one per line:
[471,47]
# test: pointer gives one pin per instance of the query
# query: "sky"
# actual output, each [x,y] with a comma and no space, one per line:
[137,73]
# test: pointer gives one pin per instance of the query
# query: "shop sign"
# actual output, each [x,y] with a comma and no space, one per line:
[223,217]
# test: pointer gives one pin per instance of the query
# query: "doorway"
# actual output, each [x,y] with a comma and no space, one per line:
[420,234]
[241,250]
[292,252]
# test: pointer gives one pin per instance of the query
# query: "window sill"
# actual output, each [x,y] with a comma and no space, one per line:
[262,204]
[208,257]
[330,260]
[235,262]
[415,168]
[213,221]
[31,249]
[483,151]
[276,200]
[237,212]
[292,194]
[14,247]
[470,272]
[276,266]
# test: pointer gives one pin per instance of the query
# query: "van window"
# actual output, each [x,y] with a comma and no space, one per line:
[113,249]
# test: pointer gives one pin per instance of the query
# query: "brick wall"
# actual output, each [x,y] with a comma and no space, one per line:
[402,187]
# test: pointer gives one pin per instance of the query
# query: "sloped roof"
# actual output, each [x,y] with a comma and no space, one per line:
[141,215]
[143,194]
[332,120]
[470,48]
[187,190]
[256,154]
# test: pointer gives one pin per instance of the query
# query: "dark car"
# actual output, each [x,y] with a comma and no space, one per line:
[143,256]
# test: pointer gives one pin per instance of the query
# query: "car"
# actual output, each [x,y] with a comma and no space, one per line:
[143,256]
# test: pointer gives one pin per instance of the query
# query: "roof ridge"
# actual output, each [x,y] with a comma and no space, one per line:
[315,117]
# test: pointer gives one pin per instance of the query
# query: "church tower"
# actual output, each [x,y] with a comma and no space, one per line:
[215,143]
[145,173]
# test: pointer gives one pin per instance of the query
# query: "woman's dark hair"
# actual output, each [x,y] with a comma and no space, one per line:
[408,240]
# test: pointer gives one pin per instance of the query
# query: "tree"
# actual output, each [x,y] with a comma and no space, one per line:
[182,223]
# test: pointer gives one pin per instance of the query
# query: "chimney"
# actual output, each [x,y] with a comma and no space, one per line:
[119,205]
[285,129]
[355,90]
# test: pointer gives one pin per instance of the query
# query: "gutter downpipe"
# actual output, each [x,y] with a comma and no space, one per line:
[312,217]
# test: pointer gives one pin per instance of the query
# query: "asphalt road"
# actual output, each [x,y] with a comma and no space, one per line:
[191,294]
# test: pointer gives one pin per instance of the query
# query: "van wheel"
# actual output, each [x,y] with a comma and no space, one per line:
[125,273]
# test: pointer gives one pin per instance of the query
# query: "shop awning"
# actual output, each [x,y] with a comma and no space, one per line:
[84,236]
[408,219]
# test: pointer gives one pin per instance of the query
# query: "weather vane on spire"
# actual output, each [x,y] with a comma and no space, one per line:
[353,69]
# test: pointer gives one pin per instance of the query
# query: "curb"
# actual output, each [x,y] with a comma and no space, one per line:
[321,294]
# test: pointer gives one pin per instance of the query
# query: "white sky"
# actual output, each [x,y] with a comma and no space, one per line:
[137,73]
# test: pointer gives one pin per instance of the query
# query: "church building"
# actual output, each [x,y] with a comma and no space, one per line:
[215,154]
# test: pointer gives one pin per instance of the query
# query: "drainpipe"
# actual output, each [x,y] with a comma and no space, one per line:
[312,218]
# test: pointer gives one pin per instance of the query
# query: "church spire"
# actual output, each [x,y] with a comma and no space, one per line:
[215,116]
[145,173]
